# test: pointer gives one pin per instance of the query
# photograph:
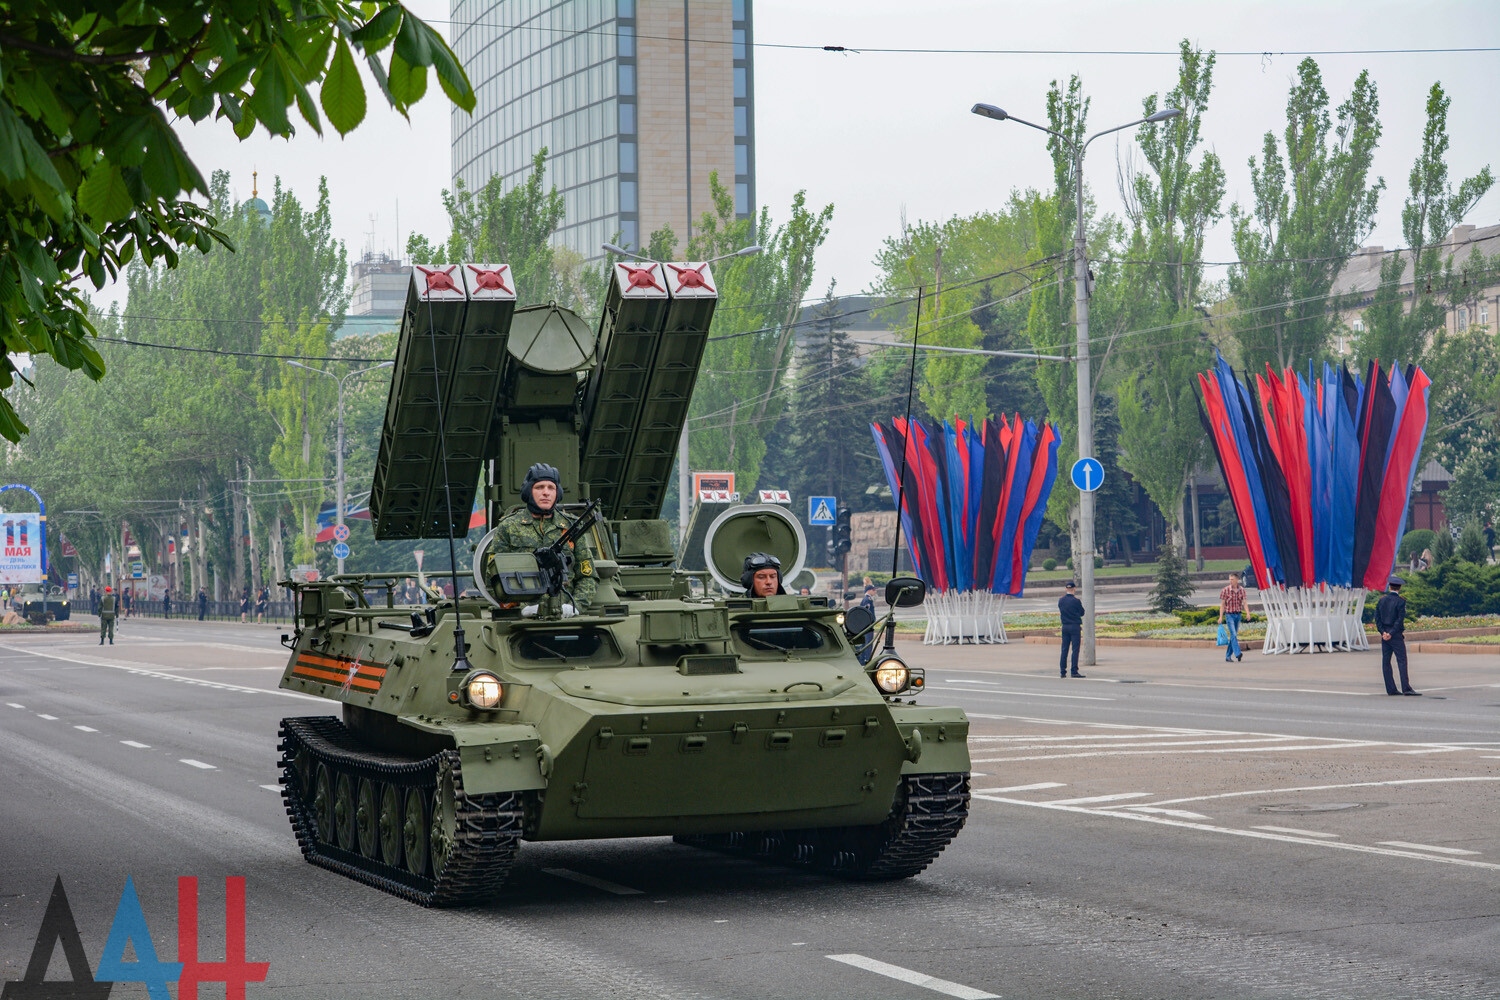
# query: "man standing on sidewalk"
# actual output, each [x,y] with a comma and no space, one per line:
[1070,609]
[1390,619]
[1232,607]
[107,615]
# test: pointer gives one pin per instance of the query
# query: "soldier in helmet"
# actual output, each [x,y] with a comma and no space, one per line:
[761,576]
[541,523]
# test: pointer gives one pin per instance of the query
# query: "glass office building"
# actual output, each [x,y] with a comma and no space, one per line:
[636,102]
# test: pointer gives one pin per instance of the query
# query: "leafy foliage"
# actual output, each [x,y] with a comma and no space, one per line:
[1454,587]
[1398,326]
[92,172]
[1173,204]
[1314,203]
[513,227]
[1471,547]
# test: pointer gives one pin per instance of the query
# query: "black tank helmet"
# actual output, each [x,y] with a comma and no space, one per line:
[757,561]
[536,474]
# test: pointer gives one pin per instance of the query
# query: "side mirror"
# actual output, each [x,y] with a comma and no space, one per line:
[858,620]
[905,592]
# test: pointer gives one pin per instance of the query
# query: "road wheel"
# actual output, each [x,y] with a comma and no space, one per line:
[343,811]
[414,831]
[444,823]
[322,804]
[306,773]
[390,825]
[366,819]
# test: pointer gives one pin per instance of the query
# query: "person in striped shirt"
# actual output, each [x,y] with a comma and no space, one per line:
[1232,607]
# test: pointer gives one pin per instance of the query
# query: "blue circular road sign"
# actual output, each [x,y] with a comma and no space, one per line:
[341,550]
[1088,474]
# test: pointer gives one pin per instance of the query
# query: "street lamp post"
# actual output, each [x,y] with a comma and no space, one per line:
[339,448]
[1084,559]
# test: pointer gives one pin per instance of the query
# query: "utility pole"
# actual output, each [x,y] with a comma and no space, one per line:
[1084,559]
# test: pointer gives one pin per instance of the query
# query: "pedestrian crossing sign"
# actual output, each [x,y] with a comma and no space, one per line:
[820,510]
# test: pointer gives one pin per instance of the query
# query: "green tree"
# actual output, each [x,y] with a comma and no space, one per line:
[94,174]
[1463,428]
[299,401]
[1173,203]
[512,227]
[1173,585]
[1397,325]
[815,449]
[760,302]
[1314,204]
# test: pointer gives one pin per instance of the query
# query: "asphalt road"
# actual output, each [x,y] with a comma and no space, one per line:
[1169,827]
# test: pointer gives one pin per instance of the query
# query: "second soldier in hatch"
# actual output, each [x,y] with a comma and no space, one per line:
[541,523]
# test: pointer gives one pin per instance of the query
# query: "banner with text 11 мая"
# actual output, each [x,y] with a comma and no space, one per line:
[21,561]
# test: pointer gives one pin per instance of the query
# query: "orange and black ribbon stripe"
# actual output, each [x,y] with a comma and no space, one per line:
[335,670]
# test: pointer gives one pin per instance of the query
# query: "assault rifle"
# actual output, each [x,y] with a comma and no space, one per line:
[555,562]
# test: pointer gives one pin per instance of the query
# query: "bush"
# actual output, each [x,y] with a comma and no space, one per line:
[1442,547]
[1471,547]
[1049,564]
[1173,585]
[1070,562]
[1414,542]
[1098,562]
[1454,588]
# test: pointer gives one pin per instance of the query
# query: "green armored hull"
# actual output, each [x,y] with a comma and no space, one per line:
[733,722]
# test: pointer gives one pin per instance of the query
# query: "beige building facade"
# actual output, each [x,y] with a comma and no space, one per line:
[1479,305]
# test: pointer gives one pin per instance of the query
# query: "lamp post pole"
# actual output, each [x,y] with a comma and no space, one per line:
[1083,560]
[338,476]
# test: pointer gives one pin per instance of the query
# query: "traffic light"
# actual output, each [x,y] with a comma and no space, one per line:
[841,539]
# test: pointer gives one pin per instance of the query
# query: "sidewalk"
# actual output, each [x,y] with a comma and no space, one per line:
[1339,673]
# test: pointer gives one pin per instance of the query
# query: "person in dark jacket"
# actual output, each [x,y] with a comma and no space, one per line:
[1070,608]
[166,603]
[1390,620]
[202,604]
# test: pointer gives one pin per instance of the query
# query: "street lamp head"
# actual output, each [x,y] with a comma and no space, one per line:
[1164,114]
[989,111]
[622,252]
[386,364]
[296,364]
[747,251]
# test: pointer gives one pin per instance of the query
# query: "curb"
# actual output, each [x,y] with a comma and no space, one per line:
[1416,647]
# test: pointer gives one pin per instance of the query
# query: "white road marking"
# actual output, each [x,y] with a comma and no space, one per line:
[915,978]
[14,705]
[1431,750]
[1179,813]
[138,746]
[1296,832]
[49,718]
[197,763]
[1095,798]
[1163,743]
[136,668]
[1254,834]
[1425,847]
[271,788]
[1132,753]
[1037,694]
[1024,788]
[597,883]
[85,729]
[1324,788]
[1165,734]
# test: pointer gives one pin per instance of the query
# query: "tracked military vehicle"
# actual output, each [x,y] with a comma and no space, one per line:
[729,722]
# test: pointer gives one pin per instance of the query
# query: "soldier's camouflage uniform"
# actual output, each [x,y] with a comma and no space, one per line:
[523,531]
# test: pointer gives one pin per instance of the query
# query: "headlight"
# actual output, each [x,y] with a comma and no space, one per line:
[891,675]
[839,618]
[484,691]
